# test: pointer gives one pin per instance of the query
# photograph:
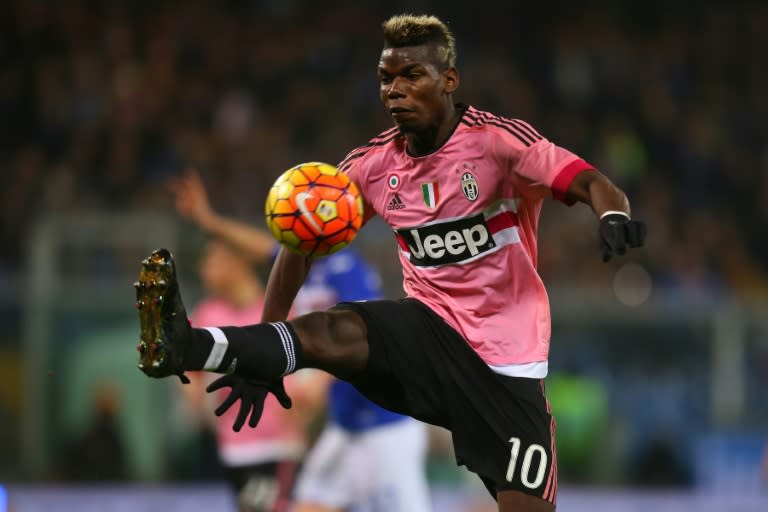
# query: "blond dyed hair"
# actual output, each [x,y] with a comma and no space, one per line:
[412,30]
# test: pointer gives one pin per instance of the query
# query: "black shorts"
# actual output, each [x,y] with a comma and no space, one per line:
[420,366]
[263,487]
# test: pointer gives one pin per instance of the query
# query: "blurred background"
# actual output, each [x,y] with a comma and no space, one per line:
[659,360]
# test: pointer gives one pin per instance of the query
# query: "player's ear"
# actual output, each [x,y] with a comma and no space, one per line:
[451,80]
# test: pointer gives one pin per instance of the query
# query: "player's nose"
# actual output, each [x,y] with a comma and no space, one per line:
[395,89]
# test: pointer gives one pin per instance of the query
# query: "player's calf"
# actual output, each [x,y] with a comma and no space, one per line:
[334,341]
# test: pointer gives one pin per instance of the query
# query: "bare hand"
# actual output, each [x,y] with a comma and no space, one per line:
[191,197]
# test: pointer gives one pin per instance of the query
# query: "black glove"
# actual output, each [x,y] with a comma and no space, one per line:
[251,395]
[617,232]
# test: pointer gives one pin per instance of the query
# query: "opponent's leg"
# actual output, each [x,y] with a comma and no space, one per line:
[324,483]
[388,463]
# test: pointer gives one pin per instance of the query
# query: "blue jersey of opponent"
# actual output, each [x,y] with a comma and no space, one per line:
[344,276]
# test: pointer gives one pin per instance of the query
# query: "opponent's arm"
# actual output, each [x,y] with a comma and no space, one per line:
[192,203]
[255,243]
[617,231]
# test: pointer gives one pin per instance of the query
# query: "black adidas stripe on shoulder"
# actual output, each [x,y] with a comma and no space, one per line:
[520,129]
[526,128]
[383,138]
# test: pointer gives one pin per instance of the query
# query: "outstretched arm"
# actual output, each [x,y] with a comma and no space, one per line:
[192,203]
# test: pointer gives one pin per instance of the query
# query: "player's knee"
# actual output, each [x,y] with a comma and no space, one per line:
[334,340]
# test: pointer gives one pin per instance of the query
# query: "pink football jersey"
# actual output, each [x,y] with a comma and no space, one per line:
[465,219]
[276,437]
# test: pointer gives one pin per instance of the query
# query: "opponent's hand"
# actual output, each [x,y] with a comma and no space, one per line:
[251,395]
[191,197]
[617,232]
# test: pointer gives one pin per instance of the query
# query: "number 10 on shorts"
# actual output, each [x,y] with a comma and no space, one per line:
[525,469]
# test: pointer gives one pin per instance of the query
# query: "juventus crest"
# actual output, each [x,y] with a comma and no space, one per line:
[469,186]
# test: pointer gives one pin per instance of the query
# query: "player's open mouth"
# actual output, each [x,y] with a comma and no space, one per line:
[398,111]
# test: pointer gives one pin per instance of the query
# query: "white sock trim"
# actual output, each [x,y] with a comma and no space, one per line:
[614,212]
[220,344]
[287,339]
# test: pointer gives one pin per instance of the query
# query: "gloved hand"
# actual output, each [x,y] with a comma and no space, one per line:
[251,395]
[617,232]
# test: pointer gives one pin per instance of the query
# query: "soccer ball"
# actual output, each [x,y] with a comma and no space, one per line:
[313,209]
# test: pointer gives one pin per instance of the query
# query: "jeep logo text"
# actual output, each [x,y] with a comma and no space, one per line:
[447,242]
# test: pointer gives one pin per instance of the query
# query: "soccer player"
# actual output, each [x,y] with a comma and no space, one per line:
[366,458]
[467,347]
[260,464]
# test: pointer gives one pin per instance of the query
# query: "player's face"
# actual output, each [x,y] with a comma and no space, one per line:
[414,91]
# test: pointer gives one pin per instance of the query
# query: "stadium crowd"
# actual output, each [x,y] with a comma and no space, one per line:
[103,101]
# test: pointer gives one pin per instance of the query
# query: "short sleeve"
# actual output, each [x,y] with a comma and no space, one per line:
[545,163]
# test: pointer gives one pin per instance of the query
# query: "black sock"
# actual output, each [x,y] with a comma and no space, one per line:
[196,353]
[261,351]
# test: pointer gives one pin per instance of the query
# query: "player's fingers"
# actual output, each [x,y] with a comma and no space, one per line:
[245,407]
[232,397]
[285,401]
[258,408]
[227,403]
[605,249]
[636,232]
[620,241]
[254,419]
[613,238]
[219,383]
[282,396]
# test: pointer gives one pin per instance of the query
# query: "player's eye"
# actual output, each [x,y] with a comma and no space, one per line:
[385,79]
[413,76]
